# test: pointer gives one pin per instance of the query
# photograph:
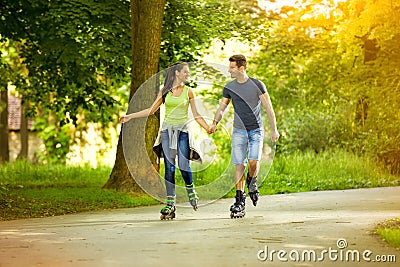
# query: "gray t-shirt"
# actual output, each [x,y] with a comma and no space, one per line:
[246,102]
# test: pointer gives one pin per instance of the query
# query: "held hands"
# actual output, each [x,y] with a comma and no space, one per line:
[212,129]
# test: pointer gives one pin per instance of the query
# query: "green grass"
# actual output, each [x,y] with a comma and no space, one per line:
[332,170]
[23,174]
[390,231]
[29,191]
[46,190]
[303,172]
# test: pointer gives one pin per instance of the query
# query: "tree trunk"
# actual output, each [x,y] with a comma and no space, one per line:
[4,147]
[136,147]
[23,154]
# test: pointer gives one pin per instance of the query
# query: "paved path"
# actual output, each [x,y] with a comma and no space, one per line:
[297,224]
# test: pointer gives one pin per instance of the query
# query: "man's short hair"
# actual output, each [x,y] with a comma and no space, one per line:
[239,59]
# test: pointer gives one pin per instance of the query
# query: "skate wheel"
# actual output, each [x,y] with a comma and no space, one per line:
[236,216]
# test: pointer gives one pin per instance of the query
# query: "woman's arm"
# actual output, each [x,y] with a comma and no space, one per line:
[199,119]
[146,112]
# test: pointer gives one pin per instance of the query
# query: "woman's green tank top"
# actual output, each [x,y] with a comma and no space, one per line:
[177,108]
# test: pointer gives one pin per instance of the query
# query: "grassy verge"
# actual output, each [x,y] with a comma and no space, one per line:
[303,172]
[29,191]
[335,170]
[390,232]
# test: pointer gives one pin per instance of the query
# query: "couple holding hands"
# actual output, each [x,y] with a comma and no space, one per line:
[247,96]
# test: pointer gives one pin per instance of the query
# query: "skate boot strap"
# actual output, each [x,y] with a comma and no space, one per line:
[168,209]
[170,200]
[192,196]
[252,185]
[239,203]
[189,187]
[251,180]
[191,192]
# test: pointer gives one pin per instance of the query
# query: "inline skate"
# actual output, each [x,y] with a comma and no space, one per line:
[168,211]
[252,188]
[193,199]
[238,208]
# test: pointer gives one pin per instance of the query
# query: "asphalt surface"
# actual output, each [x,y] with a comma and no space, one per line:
[330,228]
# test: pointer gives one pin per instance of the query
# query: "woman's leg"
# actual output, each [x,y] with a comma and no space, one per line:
[184,167]
[183,158]
[169,165]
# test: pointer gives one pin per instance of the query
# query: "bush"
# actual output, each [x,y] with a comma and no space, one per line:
[315,130]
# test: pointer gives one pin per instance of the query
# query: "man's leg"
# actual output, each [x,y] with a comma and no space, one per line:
[239,154]
[239,151]
[238,208]
[251,179]
[254,167]
[239,176]
[255,150]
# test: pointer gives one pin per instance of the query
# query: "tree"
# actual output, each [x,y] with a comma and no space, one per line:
[6,76]
[4,146]
[373,32]
[300,64]
[188,27]
[69,52]
[76,54]
[333,68]
[23,154]
[146,24]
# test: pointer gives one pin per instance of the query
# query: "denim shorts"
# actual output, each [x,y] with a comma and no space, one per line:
[247,144]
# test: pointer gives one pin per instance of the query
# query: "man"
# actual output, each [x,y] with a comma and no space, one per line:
[247,95]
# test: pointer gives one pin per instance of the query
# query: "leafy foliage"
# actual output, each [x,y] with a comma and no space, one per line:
[76,57]
[57,141]
[190,26]
[331,67]
[332,70]
[71,52]
[78,53]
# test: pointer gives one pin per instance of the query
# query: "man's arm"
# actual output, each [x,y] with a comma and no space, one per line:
[219,114]
[266,102]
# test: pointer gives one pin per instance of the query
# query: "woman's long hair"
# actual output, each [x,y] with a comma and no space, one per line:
[170,77]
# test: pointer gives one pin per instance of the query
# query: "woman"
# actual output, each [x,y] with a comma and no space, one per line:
[174,132]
